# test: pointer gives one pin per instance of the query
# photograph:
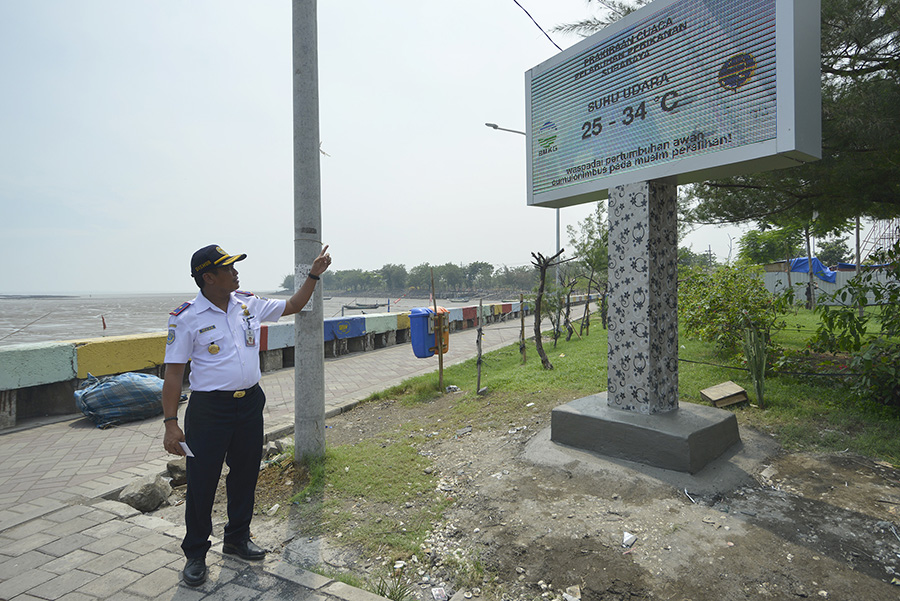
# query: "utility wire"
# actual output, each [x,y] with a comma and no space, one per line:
[776,372]
[538,26]
[25,326]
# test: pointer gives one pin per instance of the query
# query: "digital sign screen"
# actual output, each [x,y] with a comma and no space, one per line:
[689,89]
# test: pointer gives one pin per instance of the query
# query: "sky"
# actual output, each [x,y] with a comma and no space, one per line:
[133,133]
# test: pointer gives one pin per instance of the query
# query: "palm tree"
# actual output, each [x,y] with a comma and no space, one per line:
[612,11]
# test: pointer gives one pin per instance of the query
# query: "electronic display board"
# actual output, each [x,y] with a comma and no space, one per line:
[683,90]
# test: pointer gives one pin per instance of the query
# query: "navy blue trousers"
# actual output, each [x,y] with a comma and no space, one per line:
[219,428]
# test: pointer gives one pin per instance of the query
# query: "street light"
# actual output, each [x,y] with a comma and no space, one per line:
[515,131]
[495,126]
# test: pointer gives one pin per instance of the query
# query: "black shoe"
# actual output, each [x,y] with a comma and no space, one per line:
[245,550]
[194,573]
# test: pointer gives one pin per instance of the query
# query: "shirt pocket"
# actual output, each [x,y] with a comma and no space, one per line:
[206,339]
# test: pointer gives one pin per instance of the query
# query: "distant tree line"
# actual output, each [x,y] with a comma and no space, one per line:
[449,279]
[758,247]
[584,268]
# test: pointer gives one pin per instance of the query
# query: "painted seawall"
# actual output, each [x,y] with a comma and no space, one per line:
[40,379]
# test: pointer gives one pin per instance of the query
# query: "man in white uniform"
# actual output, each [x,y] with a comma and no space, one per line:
[219,332]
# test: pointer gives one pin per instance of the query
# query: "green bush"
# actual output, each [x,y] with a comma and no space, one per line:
[875,356]
[877,368]
[718,305]
[841,329]
[842,324]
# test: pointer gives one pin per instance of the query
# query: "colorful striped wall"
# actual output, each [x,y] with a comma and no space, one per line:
[26,366]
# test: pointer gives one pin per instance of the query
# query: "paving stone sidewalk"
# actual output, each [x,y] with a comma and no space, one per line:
[61,539]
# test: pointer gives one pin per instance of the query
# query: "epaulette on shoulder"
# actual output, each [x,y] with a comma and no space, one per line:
[181,309]
[250,294]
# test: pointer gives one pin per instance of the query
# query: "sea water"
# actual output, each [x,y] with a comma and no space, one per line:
[26,319]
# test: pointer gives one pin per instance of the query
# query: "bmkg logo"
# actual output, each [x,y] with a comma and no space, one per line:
[547,138]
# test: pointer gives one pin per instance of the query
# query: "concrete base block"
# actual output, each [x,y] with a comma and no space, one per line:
[384,339]
[336,347]
[362,344]
[7,408]
[685,439]
[49,399]
[271,360]
[287,357]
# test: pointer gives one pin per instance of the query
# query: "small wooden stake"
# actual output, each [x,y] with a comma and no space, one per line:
[478,345]
[522,333]
[585,326]
[438,336]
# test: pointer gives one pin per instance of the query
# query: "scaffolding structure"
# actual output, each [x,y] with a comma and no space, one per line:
[883,235]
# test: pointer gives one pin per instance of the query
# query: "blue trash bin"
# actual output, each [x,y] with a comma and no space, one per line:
[421,332]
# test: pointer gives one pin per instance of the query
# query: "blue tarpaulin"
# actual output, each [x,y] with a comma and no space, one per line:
[345,327]
[801,264]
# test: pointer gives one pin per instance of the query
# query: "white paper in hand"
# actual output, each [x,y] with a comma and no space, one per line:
[187,449]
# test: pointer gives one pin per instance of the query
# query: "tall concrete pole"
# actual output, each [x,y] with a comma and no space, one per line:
[558,247]
[309,353]
[858,261]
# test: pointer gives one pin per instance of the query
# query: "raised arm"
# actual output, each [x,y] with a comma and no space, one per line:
[305,292]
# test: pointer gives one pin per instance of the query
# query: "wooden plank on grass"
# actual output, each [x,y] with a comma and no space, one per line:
[726,393]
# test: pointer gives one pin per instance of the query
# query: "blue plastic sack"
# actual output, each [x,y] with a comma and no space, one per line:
[114,400]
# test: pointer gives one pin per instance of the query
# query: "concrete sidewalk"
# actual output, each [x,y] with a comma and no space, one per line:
[61,539]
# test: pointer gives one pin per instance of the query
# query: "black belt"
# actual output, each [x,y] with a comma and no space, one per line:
[235,394]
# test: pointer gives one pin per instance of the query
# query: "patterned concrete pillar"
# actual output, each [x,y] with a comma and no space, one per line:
[643,319]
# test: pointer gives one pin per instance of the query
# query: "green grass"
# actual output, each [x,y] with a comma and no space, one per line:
[576,372]
[386,472]
[801,326]
[803,413]
[394,587]
[811,413]
[803,323]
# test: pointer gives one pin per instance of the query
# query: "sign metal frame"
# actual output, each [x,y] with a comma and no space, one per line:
[797,133]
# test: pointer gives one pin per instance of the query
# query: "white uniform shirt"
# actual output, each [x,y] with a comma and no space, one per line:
[216,342]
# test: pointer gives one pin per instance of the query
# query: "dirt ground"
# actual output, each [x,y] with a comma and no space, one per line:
[543,520]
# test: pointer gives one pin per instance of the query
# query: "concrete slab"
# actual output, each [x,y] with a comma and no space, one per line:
[732,470]
[685,440]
